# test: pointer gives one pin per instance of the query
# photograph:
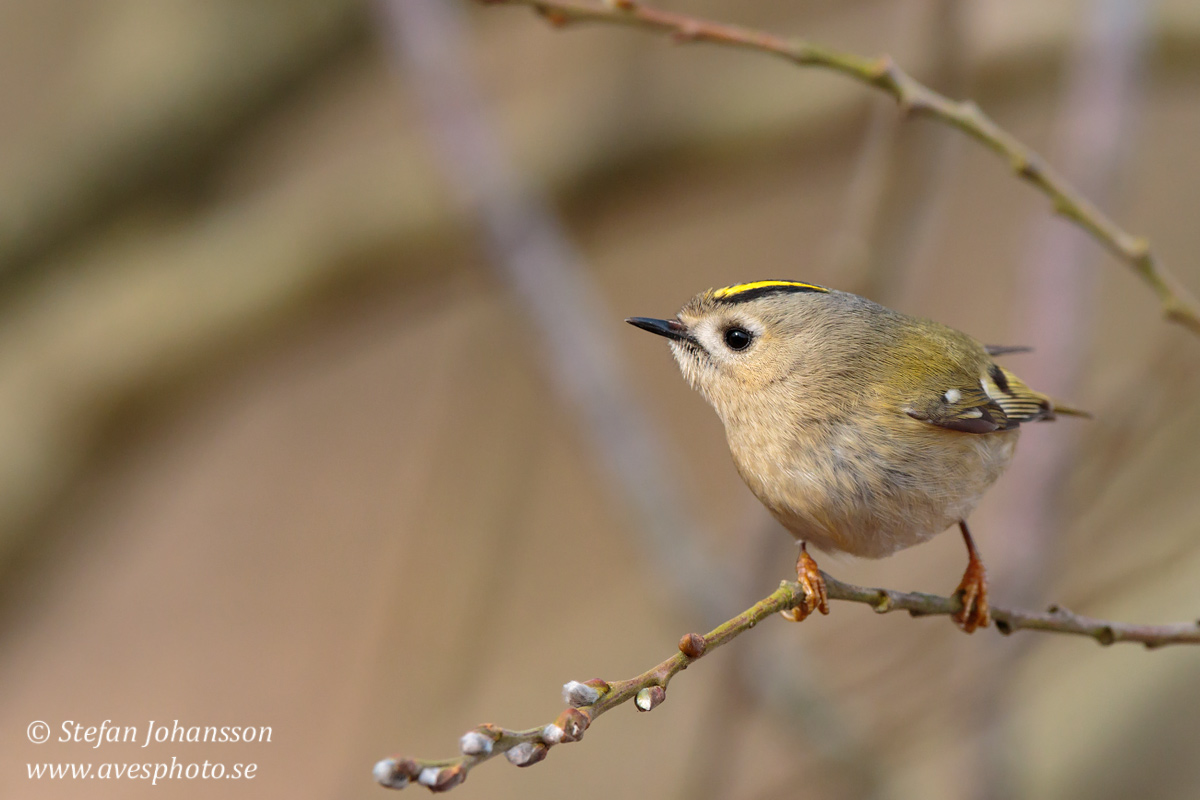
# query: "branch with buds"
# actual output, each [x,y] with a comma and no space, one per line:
[913,97]
[588,700]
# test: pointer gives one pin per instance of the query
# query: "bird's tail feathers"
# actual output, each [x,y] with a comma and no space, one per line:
[1070,412]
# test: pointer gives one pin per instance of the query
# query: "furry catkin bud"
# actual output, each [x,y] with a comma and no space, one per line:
[526,754]
[442,780]
[474,743]
[395,773]
[578,694]
[552,734]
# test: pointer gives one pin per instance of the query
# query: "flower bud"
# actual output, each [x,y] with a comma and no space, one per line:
[395,773]
[571,724]
[649,698]
[526,754]
[692,645]
[552,734]
[578,694]
[474,743]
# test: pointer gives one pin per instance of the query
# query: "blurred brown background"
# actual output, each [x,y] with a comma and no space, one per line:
[299,427]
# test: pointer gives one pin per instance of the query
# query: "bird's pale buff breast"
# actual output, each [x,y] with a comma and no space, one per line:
[870,493]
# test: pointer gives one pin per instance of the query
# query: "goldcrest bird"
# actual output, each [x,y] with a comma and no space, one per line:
[862,430]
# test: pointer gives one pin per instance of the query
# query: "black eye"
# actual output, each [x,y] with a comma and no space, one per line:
[737,338]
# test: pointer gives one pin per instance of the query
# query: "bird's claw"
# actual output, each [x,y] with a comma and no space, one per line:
[974,596]
[808,575]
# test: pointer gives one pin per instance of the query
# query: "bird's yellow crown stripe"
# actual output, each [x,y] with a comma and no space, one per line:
[732,291]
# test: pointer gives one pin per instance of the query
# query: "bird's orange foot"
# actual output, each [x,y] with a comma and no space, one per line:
[813,585]
[973,593]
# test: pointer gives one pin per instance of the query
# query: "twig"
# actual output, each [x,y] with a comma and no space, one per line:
[1055,619]
[541,266]
[535,257]
[898,193]
[1100,98]
[167,130]
[913,97]
[587,701]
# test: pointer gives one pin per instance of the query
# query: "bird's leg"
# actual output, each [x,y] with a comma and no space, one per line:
[809,577]
[972,590]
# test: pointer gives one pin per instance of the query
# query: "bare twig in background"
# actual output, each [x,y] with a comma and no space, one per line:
[1100,99]
[850,249]
[892,202]
[589,700]
[542,268]
[530,746]
[168,123]
[538,262]
[771,674]
[913,98]
[923,168]
[896,195]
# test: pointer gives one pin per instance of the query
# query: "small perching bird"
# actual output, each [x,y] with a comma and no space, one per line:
[862,430]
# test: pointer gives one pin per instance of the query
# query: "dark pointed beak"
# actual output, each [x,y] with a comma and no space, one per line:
[670,328]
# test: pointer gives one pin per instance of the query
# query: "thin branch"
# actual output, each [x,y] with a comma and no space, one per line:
[1100,98]
[587,701]
[1055,619]
[913,97]
[536,259]
[167,130]
[533,255]
[898,194]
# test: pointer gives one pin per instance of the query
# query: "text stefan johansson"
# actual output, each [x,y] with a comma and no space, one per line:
[160,733]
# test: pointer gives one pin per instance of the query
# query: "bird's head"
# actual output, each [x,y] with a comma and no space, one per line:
[734,344]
